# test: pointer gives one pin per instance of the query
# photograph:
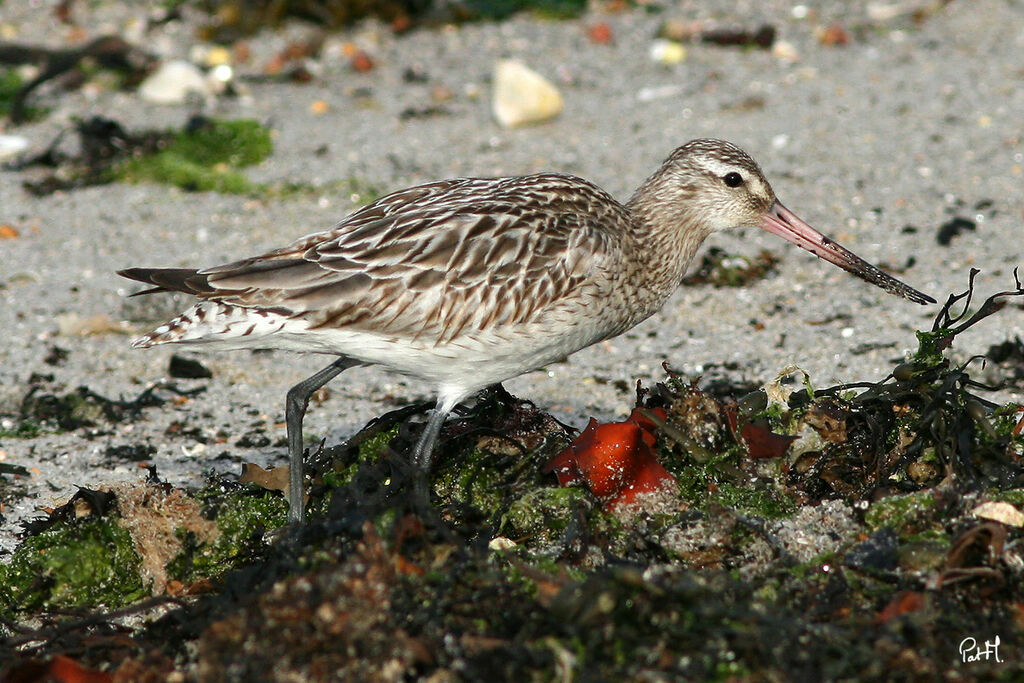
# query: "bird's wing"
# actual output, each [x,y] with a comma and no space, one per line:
[436,260]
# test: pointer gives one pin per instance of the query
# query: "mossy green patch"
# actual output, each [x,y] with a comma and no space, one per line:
[542,514]
[10,84]
[760,500]
[369,450]
[907,514]
[22,429]
[474,482]
[714,482]
[85,563]
[206,158]
[1012,496]
[242,515]
[1005,420]
[502,9]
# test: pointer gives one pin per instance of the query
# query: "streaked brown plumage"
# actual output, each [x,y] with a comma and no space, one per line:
[464,283]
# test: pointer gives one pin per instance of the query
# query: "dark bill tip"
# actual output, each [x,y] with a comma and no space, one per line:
[781,221]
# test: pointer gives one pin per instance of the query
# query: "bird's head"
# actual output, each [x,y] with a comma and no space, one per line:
[709,185]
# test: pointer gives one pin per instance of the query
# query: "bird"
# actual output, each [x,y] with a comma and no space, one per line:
[464,283]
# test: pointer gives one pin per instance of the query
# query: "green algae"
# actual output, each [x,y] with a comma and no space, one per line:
[475,483]
[93,561]
[10,84]
[908,514]
[718,481]
[84,563]
[243,515]
[1012,496]
[540,516]
[208,158]
[23,429]
[762,501]
[369,450]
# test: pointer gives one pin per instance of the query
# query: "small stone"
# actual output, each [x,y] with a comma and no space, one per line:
[209,56]
[680,31]
[922,472]
[879,552]
[834,34]
[8,232]
[522,96]
[667,52]
[953,227]
[441,94]
[361,62]
[172,83]
[881,11]
[600,33]
[401,23]
[11,145]
[785,50]
[71,324]
[499,543]
[219,77]
[1001,512]
[217,56]
[187,368]
[242,53]
[319,107]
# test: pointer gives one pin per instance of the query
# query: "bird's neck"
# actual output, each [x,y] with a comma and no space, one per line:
[666,227]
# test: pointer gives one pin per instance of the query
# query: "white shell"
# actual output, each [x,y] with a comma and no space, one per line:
[1000,512]
[522,96]
[172,83]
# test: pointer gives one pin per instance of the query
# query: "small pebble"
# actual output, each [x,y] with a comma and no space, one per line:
[361,62]
[217,56]
[172,82]
[219,78]
[209,56]
[679,31]
[600,33]
[953,227]
[11,145]
[834,34]
[1001,512]
[441,94]
[785,50]
[667,52]
[522,96]
[499,543]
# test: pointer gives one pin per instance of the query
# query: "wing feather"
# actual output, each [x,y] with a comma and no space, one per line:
[431,262]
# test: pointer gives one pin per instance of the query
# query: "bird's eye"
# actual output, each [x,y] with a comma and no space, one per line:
[732,179]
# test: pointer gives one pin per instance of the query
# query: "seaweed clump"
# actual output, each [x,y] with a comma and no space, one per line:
[860,531]
[206,155]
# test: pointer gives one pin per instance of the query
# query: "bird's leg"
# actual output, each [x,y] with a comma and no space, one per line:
[423,453]
[294,410]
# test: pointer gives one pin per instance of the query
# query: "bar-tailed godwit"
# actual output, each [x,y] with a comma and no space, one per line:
[465,283]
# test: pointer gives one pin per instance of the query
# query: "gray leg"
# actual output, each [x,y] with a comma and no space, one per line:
[423,453]
[294,410]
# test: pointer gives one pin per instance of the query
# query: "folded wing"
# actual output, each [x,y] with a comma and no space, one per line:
[431,262]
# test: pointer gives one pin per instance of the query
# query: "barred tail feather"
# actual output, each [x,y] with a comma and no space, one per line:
[210,322]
